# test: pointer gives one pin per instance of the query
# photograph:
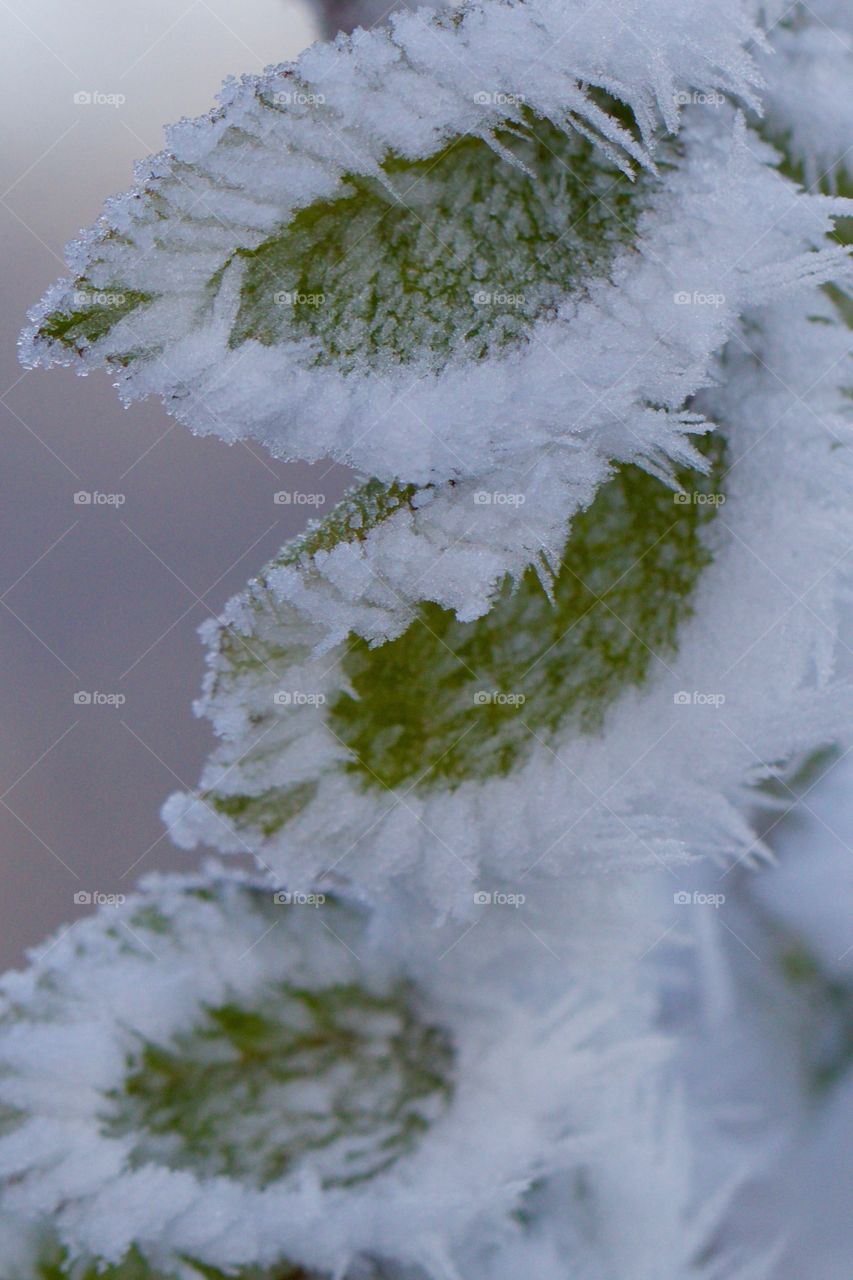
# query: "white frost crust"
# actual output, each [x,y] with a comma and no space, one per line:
[664,781]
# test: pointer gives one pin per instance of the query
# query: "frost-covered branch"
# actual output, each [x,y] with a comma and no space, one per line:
[541,274]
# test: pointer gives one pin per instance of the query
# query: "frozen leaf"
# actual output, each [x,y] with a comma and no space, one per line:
[377,252]
[214,1075]
[436,746]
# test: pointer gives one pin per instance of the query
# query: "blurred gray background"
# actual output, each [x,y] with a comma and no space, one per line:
[106,598]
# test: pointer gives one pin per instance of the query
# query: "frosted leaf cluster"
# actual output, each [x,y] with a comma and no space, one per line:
[481,290]
[565,282]
[620,736]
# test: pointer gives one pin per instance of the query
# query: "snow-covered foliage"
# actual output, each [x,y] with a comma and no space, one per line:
[539,272]
[595,728]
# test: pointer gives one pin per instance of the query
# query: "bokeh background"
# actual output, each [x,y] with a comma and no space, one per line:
[108,598]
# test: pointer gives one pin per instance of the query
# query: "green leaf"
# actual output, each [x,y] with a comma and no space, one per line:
[228,1095]
[454,255]
[450,701]
[469,699]
[268,812]
[96,312]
